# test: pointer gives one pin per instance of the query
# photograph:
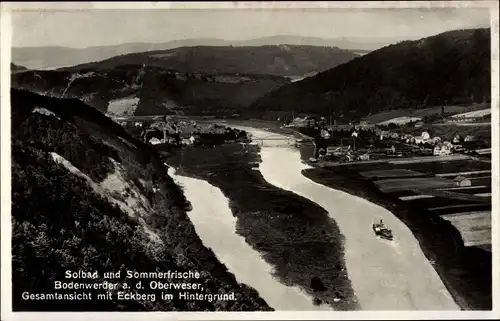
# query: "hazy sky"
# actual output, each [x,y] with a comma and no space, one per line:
[108,27]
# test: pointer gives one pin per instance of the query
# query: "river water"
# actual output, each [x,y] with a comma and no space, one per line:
[385,275]
[216,226]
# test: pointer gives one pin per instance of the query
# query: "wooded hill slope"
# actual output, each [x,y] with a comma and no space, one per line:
[449,68]
[87,196]
[281,60]
[58,57]
[147,90]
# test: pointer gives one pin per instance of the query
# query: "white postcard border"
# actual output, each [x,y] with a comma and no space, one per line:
[6,34]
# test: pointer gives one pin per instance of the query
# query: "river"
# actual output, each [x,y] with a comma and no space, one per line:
[385,275]
[216,226]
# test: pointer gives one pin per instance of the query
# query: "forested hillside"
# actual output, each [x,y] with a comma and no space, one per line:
[86,196]
[449,68]
[147,90]
[282,60]
[58,57]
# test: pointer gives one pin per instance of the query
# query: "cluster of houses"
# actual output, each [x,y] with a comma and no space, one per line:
[438,146]
[164,132]
[347,153]
[441,147]
[307,121]
[188,132]
[186,140]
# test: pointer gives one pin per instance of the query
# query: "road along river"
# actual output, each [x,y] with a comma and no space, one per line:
[216,226]
[385,275]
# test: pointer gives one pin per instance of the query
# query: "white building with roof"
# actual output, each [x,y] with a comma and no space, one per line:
[443,149]
[155,141]
[425,135]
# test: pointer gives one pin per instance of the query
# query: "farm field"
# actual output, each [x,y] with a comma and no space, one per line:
[428,159]
[471,189]
[402,193]
[390,185]
[415,197]
[456,208]
[480,181]
[437,194]
[477,113]
[475,227]
[446,167]
[430,111]
[454,195]
[449,130]
[467,268]
[435,202]
[469,174]
[379,174]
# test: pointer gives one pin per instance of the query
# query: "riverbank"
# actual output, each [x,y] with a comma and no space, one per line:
[466,271]
[292,234]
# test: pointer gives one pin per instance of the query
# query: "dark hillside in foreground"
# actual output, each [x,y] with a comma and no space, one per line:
[282,60]
[135,89]
[69,213]
[450,68]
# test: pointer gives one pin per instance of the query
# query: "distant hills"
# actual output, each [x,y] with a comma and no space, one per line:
[185,80]
[452,68]
[137,90]
[52,57]
[282,60]
[449,68]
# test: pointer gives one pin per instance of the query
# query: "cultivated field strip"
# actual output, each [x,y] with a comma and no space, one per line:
[483,194]
[445,210]
[391,185]
[458,206]
[389,173]
[473,214]
[453,195]
[464,173]
[464,188]
[414,197]
[475,226]
[426,159]
[443,167]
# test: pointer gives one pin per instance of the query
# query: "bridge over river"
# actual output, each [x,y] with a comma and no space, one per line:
[276,140]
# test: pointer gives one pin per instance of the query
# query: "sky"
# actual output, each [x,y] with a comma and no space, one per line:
[87,28]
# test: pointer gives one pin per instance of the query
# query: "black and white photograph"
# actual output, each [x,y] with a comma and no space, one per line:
[302,157]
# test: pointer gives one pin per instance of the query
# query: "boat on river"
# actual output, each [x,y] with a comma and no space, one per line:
[382,231]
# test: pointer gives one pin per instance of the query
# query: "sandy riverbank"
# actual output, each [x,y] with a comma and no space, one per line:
[385,275]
